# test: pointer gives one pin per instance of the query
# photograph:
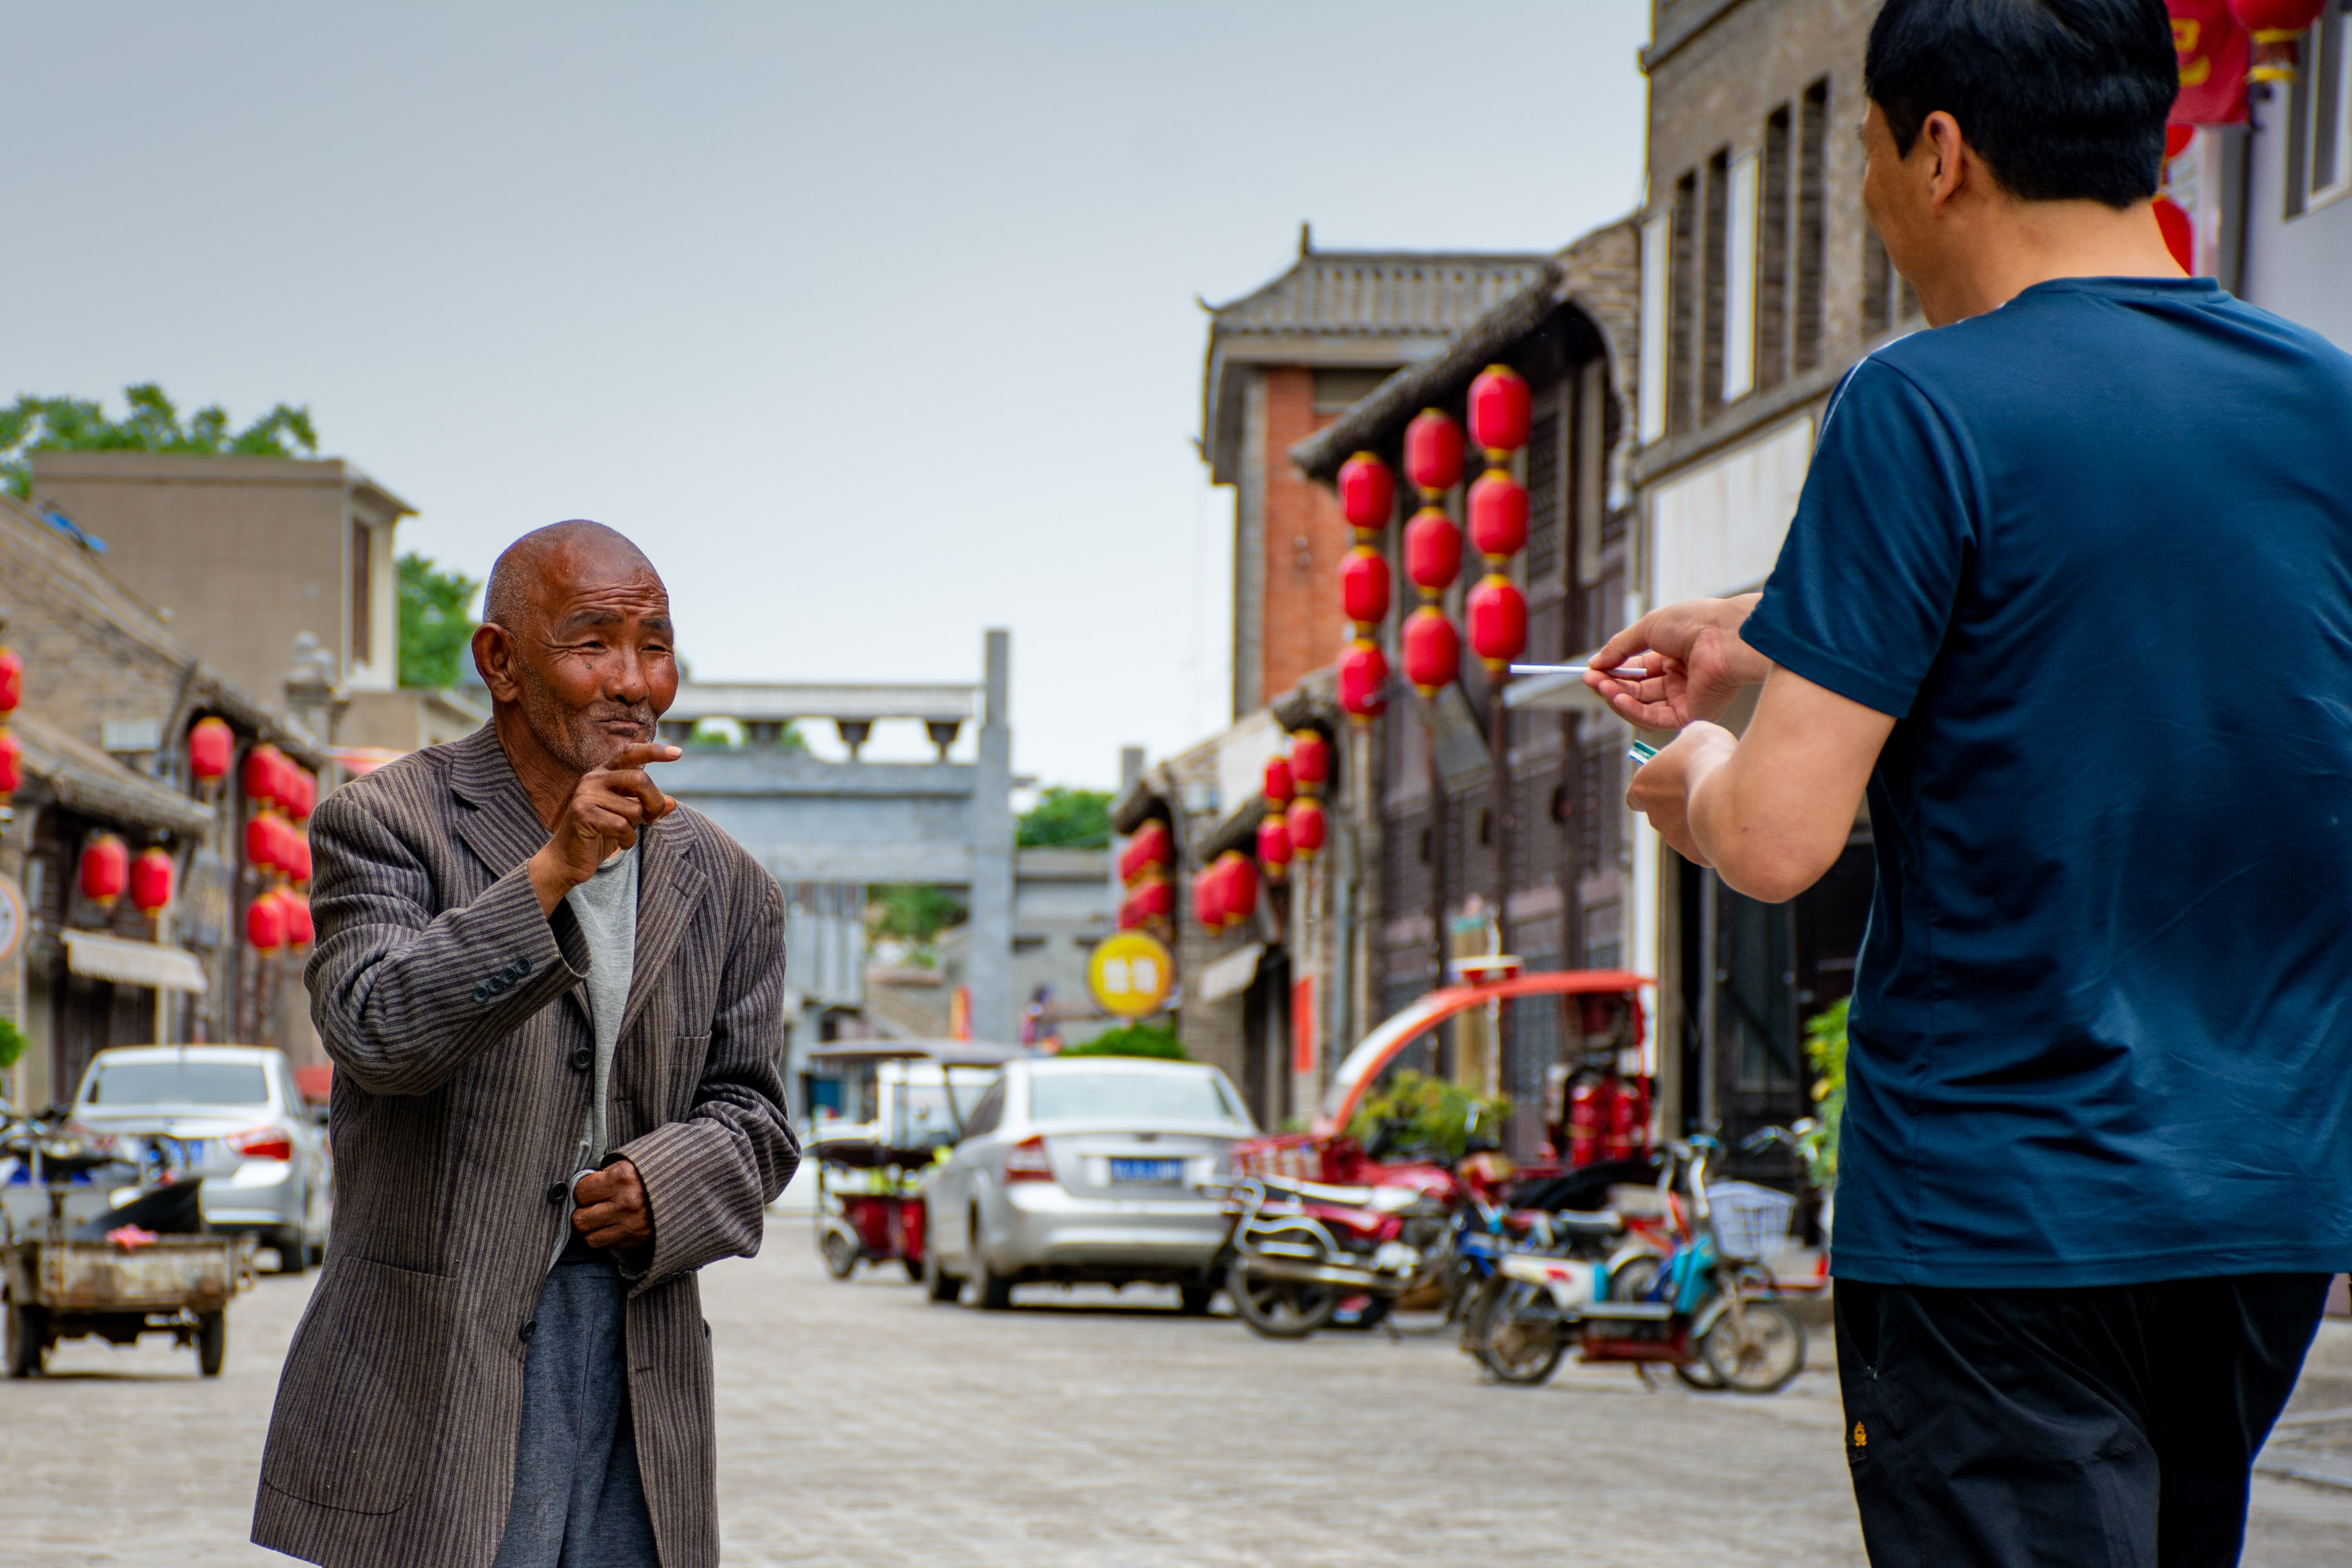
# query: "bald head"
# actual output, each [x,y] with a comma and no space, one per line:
[577,549]
[575,647]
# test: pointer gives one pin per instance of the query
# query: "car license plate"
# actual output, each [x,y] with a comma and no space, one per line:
[1162,1170]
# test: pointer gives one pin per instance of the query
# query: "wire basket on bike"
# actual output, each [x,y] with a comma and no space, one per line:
[1751,1222]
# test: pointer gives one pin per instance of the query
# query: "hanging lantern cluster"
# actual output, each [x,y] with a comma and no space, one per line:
[12,750]
[1433,549]
[1367,500]
[281,794]
[1496,610]
[1273,829]
[1227,894]
[1150,900]
[2276,26]
[1310,771]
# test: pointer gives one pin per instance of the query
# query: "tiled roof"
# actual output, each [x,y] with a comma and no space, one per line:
[1379,292]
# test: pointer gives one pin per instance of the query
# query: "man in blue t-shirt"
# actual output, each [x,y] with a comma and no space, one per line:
[2069,592]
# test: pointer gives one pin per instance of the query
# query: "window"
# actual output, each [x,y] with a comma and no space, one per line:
[1773,255]
[1718,262]
[362,594]
[177,1083]
[1131,1098]
[1740,270]
[1812,140]
[1683,325]
[988,1112]
[2319,116]
[1657,262]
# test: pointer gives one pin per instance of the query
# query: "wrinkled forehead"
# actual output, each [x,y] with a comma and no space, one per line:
[587,581]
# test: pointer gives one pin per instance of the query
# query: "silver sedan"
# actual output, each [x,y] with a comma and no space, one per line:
[1085,1169]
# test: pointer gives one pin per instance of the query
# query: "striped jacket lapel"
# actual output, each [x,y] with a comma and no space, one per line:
[669,891]
[500,824]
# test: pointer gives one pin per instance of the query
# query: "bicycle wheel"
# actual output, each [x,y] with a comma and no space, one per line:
[1278,1309]
[1760,1351]
[1514,1332]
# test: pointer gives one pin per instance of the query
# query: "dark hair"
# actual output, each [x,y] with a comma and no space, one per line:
[2063,99]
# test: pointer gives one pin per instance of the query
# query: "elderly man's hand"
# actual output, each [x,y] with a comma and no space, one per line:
[1696,660]
[613,1212]
[1662,786]
[605,810]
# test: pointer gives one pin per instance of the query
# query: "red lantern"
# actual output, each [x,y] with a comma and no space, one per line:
[105,869]
[12,764]
[1307,829]
[1498,614]
[265,771]
[2177,138]
[1209,898]
[12,682]
[2179,234]
[1433,650]
[1147,852]
[1498,411]
[1433,551]
[212,745]
[1364,586]
[1432,452]
[1154,898]
[2275,25]
[1499,514]
[1238,899]
[1310,761]
[151,880]
[297,856]
[302,792]
[261,842]
[265,923]
[1367,492]
[1277,786]
[1363,679]
[1274,845]
[1130,917]
[296,910]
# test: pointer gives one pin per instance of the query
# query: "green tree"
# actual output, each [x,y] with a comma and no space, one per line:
[1825,1048]
[913,913]
[435,629]
[1066,818]
[1136,1040]
[153,425]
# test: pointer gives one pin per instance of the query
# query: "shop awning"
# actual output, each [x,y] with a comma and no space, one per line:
[102,957]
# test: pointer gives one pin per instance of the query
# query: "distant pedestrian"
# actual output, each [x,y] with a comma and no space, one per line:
[2070,591]
[553,999]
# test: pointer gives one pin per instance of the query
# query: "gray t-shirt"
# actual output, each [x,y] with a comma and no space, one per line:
[606,907]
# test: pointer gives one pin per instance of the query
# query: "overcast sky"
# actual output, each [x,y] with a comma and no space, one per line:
[873,323]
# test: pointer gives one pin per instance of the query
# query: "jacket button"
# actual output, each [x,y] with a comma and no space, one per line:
[530,1327]
[557,1191]
[584,1057]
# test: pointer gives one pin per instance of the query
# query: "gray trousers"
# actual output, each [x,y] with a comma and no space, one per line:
[578,1499]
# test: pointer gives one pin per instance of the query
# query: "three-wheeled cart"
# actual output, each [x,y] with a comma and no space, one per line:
[894,1106]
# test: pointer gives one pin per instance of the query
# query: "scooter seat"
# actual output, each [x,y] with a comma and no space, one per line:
[1583,1221]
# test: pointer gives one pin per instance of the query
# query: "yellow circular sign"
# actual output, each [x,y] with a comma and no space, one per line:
[1130,974]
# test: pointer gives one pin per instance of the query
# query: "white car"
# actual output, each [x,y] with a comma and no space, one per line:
[235,1109]
[1085,1169]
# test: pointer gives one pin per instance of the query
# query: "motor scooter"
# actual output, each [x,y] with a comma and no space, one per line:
[1716,1319]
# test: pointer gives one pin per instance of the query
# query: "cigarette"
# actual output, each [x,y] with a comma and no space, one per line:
[1622,672]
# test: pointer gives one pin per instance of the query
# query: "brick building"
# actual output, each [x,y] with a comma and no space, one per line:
[1283,363]
[109,695]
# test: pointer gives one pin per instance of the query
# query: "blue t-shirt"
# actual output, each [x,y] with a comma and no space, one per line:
[2093,550]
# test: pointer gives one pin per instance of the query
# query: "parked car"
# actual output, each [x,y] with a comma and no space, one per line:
[1088,1169]
[236,1109]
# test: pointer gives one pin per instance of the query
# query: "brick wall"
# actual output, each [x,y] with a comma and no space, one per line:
[1304,539]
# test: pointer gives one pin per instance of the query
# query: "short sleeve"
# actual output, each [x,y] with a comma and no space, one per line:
[1863,593]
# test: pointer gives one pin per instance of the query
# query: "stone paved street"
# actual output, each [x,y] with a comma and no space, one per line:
[859,1425]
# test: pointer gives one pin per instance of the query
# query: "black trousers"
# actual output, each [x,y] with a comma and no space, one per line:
[2106,1428]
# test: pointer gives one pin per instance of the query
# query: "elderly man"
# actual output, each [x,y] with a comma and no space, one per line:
[552,997]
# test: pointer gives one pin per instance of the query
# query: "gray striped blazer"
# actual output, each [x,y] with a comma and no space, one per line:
[455,1015]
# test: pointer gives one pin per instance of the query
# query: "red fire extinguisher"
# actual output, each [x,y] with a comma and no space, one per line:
[1590,1105]
[1629,1119]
